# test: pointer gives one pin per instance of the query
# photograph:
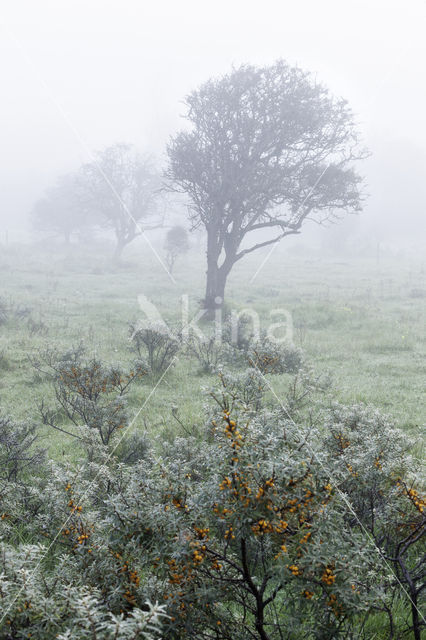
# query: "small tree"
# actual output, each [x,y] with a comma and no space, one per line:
[121,187]
[176,244]
[60,211]
[268,148]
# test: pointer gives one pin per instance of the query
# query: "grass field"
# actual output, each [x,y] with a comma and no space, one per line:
[361,320]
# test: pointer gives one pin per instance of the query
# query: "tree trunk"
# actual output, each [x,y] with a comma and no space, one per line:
[217,275]
[415,616]
[215,287]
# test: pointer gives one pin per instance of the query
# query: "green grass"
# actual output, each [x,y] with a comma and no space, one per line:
[362,321]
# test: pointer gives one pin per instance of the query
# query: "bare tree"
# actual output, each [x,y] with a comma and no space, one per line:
[60,211]
[121,186]
[268,148]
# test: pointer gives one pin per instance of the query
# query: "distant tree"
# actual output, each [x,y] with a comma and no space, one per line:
[268,148]
[121,187]
[176,244]
[60,211]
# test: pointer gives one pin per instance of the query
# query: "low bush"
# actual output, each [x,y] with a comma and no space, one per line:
[90,396]
[19,450]
[154,341]
[37,327]
[377,476]
[267,528]
[208,350]
[244,390]
[55,604]
[246,535]
[5,363]
[238,332]
[4,311]
[269,356]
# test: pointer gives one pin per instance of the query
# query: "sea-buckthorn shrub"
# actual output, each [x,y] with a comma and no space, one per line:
[91,395]
[48,362]
[274,357]
[246,536]
[20,452]
[243,390]
[46,605]
[233,541]
[367,449]
[37,326]
[238,332]
[209,350]
[155,342]
[73,579]
[4,311]
[256,531]
[307,393]
[20,504]
[133,447]
[377,475]
[402,543]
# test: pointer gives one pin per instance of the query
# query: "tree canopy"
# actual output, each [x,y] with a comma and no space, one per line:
[267,149]
[121,186]
[59,211]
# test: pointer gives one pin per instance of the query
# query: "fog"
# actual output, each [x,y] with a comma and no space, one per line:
[212,314]
[79,76]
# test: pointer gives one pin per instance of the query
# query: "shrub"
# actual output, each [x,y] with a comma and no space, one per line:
[238,332]
[376,475]
[266,529]
[244,390]
[244,527]
[18,451]
[37,327]
[9,309]
[46,606]
[91,396]
[307,392]
[272,357]
[155,341]
[208,350]
[4,311]
[133,447]
[5,364]
[48,362]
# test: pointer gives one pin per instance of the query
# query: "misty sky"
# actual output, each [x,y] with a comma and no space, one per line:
[81,75]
